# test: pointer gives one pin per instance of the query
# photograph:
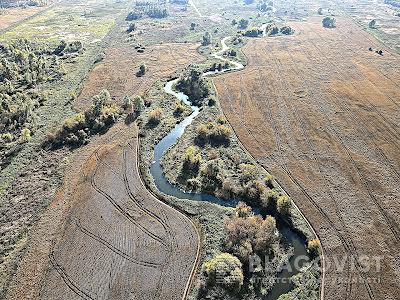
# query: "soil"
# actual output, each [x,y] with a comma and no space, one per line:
[321,113]
[105,235]
[11,16]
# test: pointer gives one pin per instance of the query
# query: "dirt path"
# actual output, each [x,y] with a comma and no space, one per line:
[321,112]
[118,241]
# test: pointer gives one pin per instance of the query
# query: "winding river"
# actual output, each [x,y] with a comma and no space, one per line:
[289,237]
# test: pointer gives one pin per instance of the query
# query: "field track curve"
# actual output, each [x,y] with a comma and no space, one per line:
[120,241]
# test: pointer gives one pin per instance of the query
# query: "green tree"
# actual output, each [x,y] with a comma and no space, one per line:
[372,24]
[206,39]
[127,103]
[329,22]
[243,23]
[224,270]
[138,104]
[283,205]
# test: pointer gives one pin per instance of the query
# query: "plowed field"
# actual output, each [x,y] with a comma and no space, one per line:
[321,112]
[119,241]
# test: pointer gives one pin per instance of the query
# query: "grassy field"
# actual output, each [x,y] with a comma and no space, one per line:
[28,183]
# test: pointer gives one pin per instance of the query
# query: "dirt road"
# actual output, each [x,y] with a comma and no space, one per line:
[118,242]
[321,112]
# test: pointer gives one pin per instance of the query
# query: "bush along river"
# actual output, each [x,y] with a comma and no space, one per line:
[283,284]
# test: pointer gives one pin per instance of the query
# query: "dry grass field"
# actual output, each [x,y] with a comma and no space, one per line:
[321,112]
[117,241]
[11,16]
[117,72]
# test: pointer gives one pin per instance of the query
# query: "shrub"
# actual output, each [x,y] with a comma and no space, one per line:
[314,247]
[269,181]
[372,24]
[127,103]
[7,137]
[287,30]
[206,39]
[192,159]
[138,104]
[155,116]
[220,135]
[25,134]
[131,28]
[142,70]
[329,22]
[283,205]
[224,270]
[273,30]
[179,108]
[249,172]
[243,23]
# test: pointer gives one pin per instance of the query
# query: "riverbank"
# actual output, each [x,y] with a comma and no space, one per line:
[231,157]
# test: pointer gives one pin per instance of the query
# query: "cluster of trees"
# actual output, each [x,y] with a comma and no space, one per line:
[213,133]
[77,129]
[219,67]
[65,48]
[207,39]
[265,5]
[247,236]
[194,85]
[253,32]
[151,9]
[24,66]
[329,22]
[273,29]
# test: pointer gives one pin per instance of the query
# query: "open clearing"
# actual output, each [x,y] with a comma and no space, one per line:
[321,112]
[118,241]
[117,72]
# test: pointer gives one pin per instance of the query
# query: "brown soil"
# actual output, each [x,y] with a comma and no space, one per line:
[11,16]
[117,72]
[105,236]
[321,112]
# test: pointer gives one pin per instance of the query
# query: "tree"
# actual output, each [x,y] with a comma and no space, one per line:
[25,134]
[131,28]
[138,104]
[224,270]
[243,23]
[127,103]
[283,205]
[142,70]
[320,11]
[372,24]
[192,26]
[206,39]
[314,247]
[155,116]
[287,30]
[247,234]
[329,22]
[99,101]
